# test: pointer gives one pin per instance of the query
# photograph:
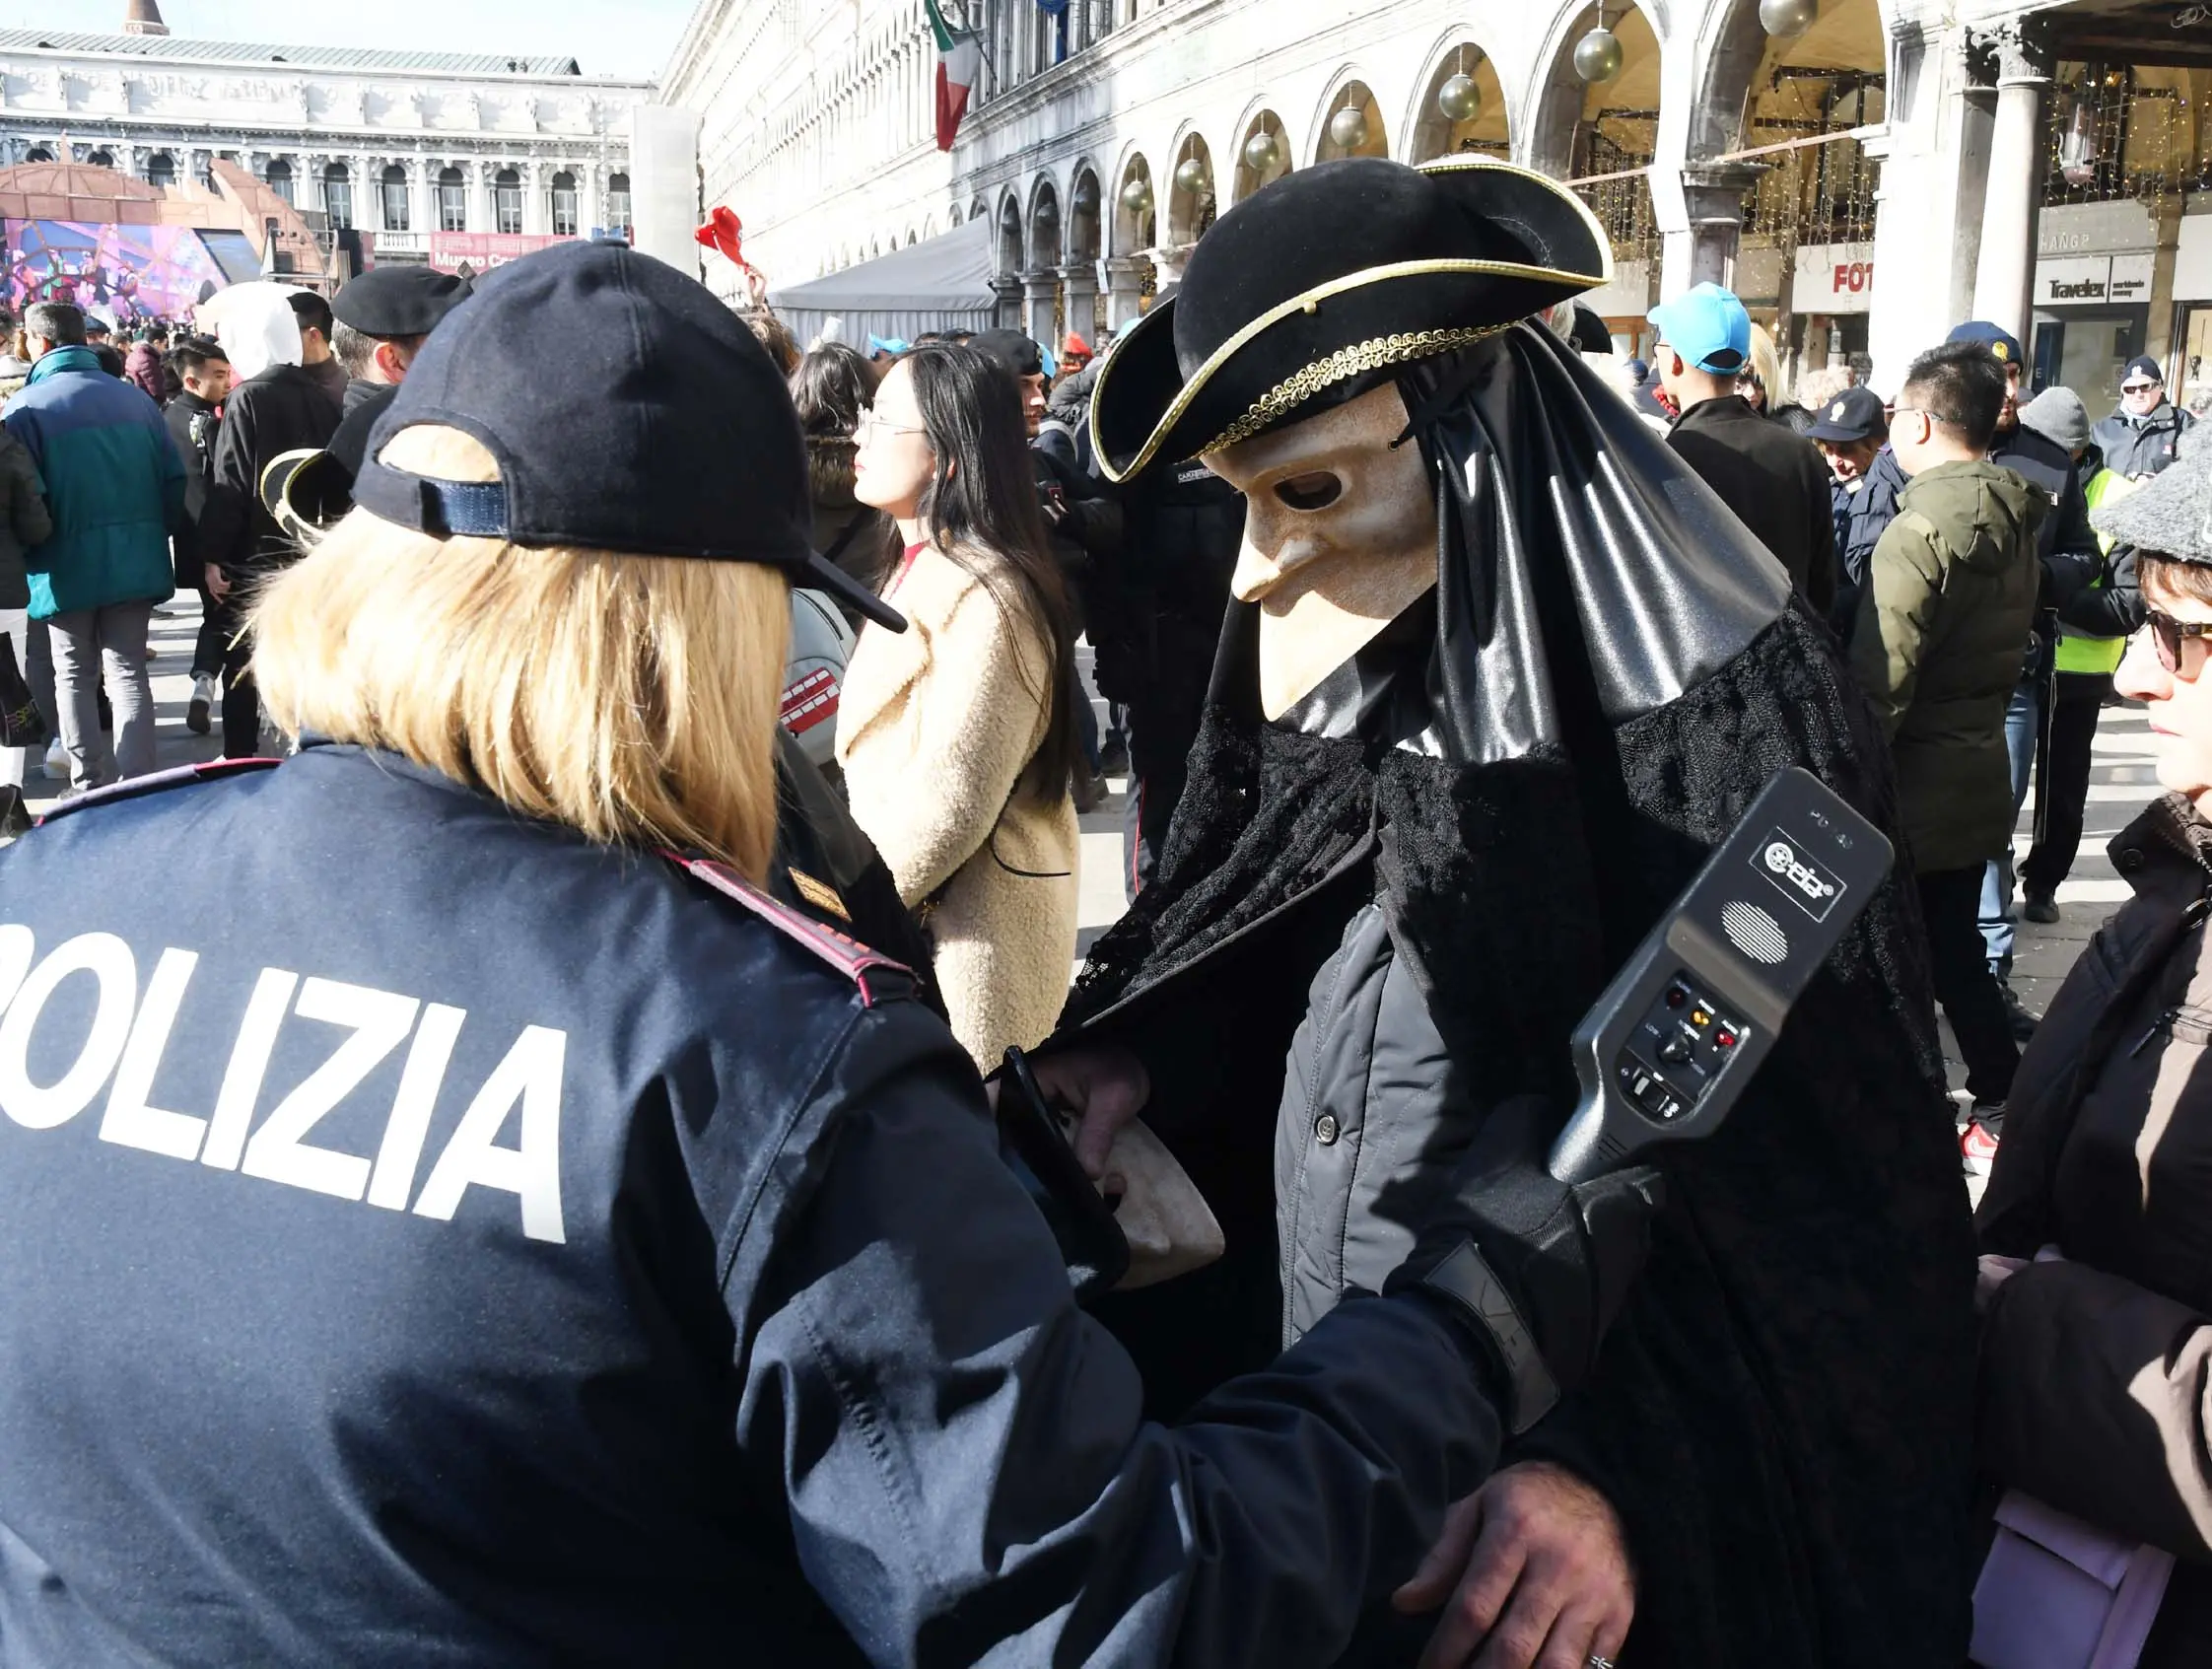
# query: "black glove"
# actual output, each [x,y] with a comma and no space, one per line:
[1535,1268]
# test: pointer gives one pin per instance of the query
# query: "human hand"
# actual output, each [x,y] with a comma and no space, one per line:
[1993,1273]
[1542,1577]
[218,583]
[1104,1086]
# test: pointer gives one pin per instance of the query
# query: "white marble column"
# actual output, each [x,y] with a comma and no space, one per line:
[480,216]
[2006,272]
[1081,281]
[1039,290]
[422,179]
[1124,280]
[537,195]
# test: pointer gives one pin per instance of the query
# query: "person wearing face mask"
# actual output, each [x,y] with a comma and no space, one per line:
[1497,675]
[2096,1325]
[2139,437]
[957,737]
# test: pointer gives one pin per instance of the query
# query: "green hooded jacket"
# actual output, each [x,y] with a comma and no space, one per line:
[1944,619]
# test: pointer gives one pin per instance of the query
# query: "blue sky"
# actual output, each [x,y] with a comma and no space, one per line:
[622,38]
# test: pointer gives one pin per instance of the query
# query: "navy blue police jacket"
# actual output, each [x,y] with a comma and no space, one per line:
[431,1238]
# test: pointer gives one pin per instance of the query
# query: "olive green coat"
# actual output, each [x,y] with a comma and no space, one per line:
[1944,621]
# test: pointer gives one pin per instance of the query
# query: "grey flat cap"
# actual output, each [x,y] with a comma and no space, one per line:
[2171,515]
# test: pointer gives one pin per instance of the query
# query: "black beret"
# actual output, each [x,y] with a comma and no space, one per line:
[399,300]
[1324,285]
[1019,354]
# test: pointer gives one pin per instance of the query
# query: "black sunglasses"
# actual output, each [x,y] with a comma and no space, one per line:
[2168,635]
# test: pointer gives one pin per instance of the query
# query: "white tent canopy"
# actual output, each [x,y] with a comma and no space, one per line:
[943,284]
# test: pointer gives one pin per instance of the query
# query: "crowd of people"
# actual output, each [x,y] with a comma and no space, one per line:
[657,747]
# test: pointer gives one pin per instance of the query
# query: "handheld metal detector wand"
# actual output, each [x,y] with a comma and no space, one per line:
[1676,1036]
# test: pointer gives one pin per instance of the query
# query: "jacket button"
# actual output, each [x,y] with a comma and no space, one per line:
[2128,858]
[1324,1129]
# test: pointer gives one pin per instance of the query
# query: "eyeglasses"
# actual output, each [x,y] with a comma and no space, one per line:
[868,420]
[2169,634]
[2140,388]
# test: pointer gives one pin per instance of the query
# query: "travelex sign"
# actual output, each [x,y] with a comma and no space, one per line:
[2092,280]
[83,1013]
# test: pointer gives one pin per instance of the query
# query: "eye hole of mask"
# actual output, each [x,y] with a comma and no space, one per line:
[1316,490]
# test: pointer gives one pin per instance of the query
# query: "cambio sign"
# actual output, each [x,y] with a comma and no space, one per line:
[120,1052]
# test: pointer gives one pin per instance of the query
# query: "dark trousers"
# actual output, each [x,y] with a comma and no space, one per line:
[2063,792]
[216,627]
[241,699]
[1950,902]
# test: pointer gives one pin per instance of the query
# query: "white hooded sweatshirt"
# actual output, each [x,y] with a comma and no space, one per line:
[256,326]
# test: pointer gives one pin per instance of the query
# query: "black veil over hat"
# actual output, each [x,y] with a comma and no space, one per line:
[1525,770]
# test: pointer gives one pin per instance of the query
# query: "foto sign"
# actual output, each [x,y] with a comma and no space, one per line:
[1832,278]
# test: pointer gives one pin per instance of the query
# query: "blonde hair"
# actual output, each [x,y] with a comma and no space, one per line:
[1764,366]
[1817,388]
[634,698]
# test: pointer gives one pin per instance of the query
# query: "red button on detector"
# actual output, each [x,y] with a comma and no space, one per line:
[1724,1039]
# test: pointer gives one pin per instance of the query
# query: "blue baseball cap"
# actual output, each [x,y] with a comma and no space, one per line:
[2003,345]
[1709,326]
[627,410]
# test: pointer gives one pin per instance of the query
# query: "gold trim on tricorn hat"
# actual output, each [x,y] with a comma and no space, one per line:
[1284,304]
[304,492]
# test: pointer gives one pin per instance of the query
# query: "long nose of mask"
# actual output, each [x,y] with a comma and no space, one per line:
[1339,539]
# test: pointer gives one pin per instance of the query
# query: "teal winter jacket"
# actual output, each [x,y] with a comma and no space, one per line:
[115,486]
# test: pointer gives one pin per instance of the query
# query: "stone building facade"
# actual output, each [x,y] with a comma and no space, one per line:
[1865,174]
[401,146]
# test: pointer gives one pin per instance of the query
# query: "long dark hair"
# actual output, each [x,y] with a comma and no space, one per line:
[831,387]
[985,493]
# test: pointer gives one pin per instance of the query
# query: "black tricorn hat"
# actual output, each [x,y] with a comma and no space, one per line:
[1319,287]
[305,492]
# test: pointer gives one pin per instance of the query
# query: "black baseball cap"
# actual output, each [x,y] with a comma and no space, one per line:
[1855,414]
[627,409]
[2144,366]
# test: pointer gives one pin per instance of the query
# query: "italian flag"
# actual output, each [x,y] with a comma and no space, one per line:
[959,58]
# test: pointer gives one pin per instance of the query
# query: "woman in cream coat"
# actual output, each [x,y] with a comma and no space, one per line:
[956,736]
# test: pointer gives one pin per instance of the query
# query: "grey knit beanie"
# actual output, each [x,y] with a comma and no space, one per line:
[2171,515]
[2057,414]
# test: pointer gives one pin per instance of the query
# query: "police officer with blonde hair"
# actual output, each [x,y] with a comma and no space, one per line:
[474,1225]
